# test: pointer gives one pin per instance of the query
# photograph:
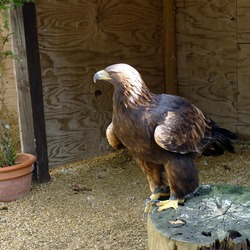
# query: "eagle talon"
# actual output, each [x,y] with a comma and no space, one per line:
[163,205]
[154,198]
[149,203]
[154,201]
[155,209]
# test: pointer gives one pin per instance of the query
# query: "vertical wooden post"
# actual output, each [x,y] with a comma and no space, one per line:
[25,115]
[170,47]
[29,85]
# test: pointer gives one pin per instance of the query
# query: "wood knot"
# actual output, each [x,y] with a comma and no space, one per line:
[98,93]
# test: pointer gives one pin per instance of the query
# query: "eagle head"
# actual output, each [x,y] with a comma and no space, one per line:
[127,82]
[120,75]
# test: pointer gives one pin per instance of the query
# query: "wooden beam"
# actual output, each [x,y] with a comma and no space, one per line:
[22,82]
[34,89]
[170,47]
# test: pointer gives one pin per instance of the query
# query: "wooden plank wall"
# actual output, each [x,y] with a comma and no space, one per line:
[77,38]
[169,31]
[243,42]
[207,57]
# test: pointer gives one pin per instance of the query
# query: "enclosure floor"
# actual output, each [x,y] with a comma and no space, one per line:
[98,204]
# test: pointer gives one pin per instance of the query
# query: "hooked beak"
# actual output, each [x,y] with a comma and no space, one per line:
[102,75]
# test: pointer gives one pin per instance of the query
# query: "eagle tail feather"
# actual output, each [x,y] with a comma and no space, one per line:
[226,144]
[228,134]
[223,142]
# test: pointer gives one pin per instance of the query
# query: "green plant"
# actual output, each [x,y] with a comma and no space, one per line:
[7,142]
[5,7]
[7,147]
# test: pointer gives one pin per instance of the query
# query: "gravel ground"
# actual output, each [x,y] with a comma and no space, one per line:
[99,203]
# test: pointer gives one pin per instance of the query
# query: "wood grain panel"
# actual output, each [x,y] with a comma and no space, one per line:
[207,56]
[71,144]
[92,31]
[244,132]
[208,98]
[170,47]
[243,24]
[243,85]
[77,38]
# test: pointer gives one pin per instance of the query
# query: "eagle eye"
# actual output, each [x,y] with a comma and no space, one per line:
[111,73]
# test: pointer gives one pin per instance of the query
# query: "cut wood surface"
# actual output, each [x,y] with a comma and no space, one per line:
[216,217]
[78,38]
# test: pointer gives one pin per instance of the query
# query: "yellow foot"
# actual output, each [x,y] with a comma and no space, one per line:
[148,206]
[154,198]
[163,205]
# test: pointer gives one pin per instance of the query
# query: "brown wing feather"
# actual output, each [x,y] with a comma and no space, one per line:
[184,130]
[112,138]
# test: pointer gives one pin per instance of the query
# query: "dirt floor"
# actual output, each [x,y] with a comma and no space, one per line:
[99,203]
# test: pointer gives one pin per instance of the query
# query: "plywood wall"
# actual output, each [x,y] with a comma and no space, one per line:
[243,46]
[213,44]
[207,57]
[77,38]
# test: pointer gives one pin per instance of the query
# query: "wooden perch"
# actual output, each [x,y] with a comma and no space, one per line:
[215,217]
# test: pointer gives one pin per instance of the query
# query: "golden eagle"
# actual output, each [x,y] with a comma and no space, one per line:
[164,132]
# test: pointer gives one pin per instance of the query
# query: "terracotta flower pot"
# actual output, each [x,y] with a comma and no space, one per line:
[15,181]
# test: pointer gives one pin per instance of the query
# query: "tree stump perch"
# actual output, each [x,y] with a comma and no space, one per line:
[215,217]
